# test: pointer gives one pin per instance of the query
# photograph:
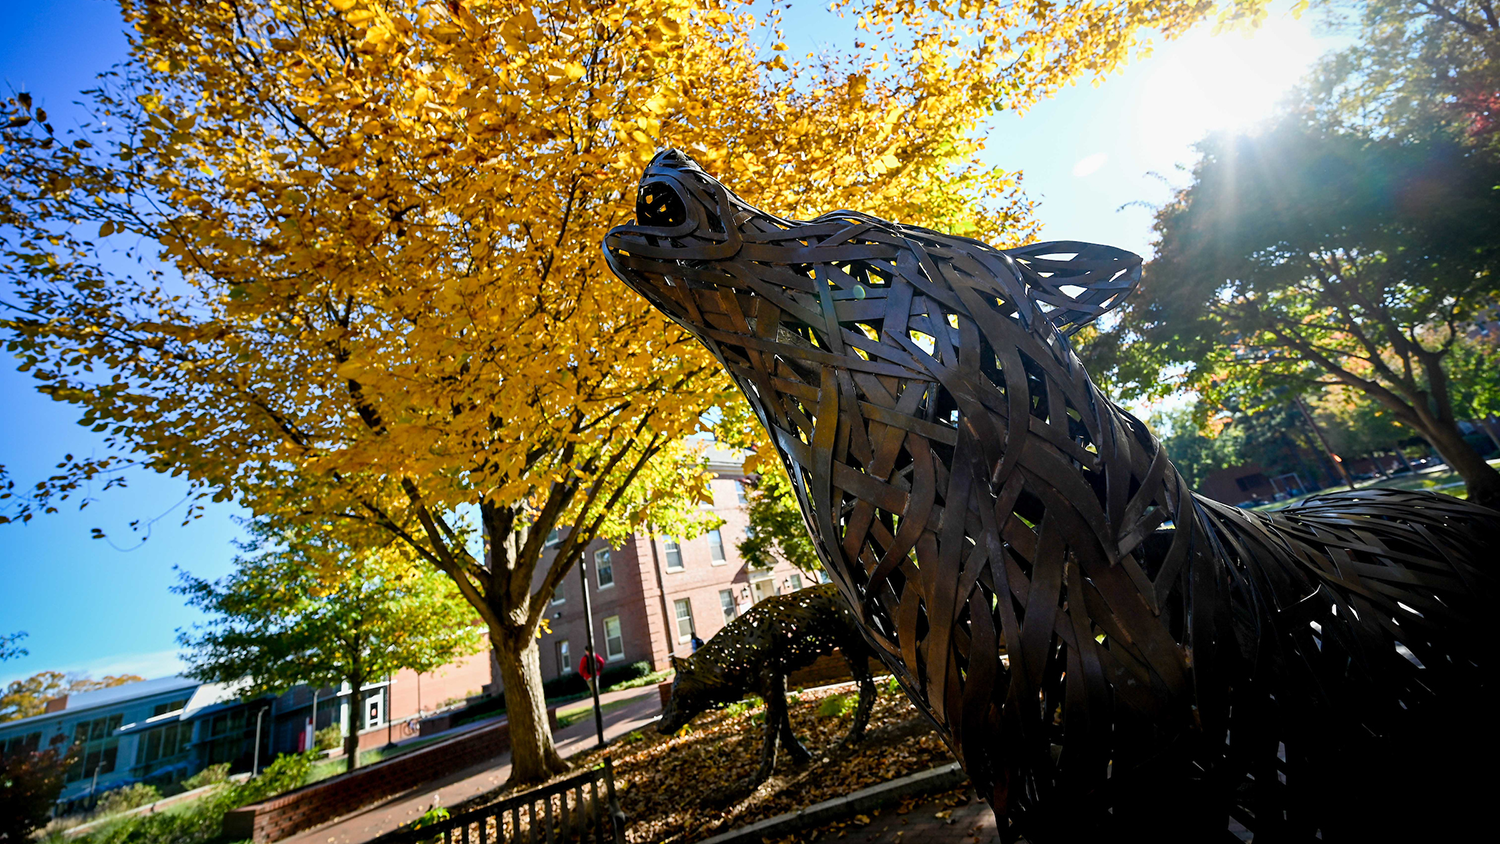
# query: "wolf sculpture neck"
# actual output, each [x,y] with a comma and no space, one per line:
[1020,551]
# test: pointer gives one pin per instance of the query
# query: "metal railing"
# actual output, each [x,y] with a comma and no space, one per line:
[568,810]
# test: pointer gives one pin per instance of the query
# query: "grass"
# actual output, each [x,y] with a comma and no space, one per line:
[1443,480]
[573,714]
[325,768]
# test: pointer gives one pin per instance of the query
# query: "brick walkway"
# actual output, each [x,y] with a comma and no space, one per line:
[952,818]
[643,706]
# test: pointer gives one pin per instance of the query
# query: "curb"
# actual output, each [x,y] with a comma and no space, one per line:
[937,779]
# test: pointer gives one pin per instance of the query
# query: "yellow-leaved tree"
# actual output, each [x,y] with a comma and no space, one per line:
[339,259]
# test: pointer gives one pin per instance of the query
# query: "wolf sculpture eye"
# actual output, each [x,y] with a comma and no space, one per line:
[1106,652]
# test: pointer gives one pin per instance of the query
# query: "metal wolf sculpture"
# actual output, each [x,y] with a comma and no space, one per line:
[756,651]
[1103,650]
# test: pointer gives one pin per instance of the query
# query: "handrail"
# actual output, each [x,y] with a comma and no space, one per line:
[579,815]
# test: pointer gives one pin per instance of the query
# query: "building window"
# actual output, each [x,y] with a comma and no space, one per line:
[674,554]
[163,744]
[684,619]
[739,492]
[749,531]
[552,538]
[614,643]
[163,708]
[564,658]
[558,595]
[97,747]
[26,743]
[604,568]
[796,580]
[716,547]
[726,602]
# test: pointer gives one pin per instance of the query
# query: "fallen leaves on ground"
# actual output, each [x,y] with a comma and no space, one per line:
[688,787]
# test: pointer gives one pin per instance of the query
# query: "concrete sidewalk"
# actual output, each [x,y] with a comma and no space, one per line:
[642,707]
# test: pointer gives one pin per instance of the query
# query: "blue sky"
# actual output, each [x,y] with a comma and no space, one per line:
[1088,156]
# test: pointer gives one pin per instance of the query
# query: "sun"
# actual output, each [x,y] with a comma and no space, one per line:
[1228,81]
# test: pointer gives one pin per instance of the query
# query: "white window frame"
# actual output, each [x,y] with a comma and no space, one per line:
[726,603]
[796,581]
[558,595]
[718,546]
[677,607]
[739,493]
[604,554]
[671,546]
[618,639]
[564,657]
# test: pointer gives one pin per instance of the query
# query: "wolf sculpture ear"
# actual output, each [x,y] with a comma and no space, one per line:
[676,663]
[1076,283]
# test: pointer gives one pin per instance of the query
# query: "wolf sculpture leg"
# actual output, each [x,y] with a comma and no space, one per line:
[788,739]
[773,692]
[859,666]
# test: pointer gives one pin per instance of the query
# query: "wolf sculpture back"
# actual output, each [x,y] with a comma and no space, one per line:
[1102,649]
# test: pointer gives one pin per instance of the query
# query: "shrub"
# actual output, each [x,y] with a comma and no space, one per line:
[29,785]
[328,738]
[204,821]
[289,771]
[207,776]
[836,706]
[129,797]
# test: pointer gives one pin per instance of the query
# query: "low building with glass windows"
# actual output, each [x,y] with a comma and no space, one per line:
[165,730]
[155,730]
[651,594]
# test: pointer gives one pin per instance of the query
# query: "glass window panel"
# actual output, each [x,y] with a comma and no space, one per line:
[716,546]
[684,619]
[604,568]
[674,555]
[564,658]
[796,582]
[726,603]
[614,643]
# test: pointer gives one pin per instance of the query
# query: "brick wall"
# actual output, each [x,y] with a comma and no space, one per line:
[288,814]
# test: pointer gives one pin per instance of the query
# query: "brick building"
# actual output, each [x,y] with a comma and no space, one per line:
[652,593]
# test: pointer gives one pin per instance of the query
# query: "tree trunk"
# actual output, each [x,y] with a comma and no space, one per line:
[351,738]
[533,756]
[1481,479]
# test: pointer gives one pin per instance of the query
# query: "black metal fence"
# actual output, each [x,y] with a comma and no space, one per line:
[580,808]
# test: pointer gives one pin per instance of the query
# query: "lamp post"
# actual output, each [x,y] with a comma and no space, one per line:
[255,765]
[588,620]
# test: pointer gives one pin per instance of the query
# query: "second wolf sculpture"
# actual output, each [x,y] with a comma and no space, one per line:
[755,652]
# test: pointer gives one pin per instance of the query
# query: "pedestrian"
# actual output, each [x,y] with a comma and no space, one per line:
[696,642]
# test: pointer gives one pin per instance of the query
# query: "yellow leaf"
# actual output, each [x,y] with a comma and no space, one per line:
[343,5]
[107,229]
[574,70]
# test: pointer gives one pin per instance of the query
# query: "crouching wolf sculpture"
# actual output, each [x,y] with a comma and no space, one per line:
[1104,651]
[756,651]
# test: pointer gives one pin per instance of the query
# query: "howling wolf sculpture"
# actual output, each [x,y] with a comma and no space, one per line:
[756,651]
[1104,651]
